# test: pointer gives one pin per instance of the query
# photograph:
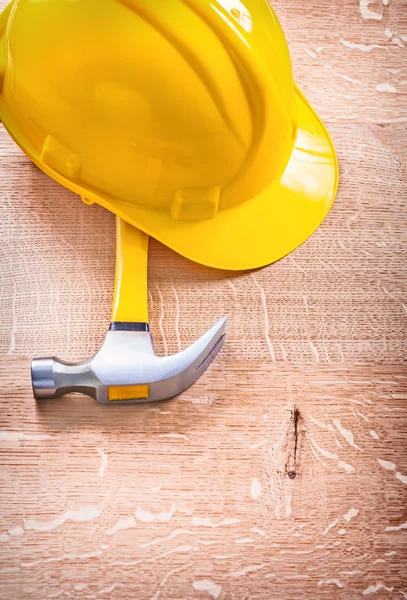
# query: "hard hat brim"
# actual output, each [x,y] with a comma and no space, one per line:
[267,227]
[254,233]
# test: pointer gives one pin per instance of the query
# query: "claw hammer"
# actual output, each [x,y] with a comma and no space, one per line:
[126,370]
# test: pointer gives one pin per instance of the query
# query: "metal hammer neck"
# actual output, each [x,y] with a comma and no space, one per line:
[52,378]
[128,326]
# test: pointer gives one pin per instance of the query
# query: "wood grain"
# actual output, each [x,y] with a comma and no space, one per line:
[282,473]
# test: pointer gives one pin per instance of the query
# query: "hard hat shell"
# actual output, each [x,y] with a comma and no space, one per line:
[181,117]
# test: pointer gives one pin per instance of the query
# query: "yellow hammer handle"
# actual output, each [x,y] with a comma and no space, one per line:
[130,303]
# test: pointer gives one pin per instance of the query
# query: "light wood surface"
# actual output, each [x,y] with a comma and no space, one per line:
[192,498]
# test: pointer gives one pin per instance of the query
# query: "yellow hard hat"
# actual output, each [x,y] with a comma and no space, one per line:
[181,117]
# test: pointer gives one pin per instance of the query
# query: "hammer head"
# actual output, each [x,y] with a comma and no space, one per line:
[126,369]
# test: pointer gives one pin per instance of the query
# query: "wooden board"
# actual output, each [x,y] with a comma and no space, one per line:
[192,498]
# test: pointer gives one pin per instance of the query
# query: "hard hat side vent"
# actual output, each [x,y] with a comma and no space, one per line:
[60,158]
[195,204]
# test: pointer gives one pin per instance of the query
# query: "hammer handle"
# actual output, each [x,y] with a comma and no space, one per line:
[130,303]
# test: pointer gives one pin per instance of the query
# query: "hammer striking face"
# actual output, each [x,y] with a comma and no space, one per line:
[126,370]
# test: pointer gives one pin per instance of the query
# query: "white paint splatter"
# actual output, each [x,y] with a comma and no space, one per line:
[310,53]
[207,522]
[362,47]
[367,13]
[317,457]
[4,537]
[122,524]
[177,315]
[325,453]
[185,511]
[134,563]
[87,513]
[150,298]
[321,424]
[62,558]
[333,524]
[103,462]
[397,42]
[208,542]
[206,585]
[397,527]
[160,321]
[400,477]
[352,512]
[346,77]
[386,87]
[386,464]
[17,436]
[16,531]
[172,535]
[233,288]
[175,436]
[147,517]
[257,530]
[388,33]
[372,589]
[314,350]
[390,466]
[350,220]
[348,468]
[346,433]
[169,574]
[201,399]
[362,415]
[259,444]
[277,507]
[342,531]
[373,434]
[109,589]
[249,569]
[266,318]
[330,582]
[255,488]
